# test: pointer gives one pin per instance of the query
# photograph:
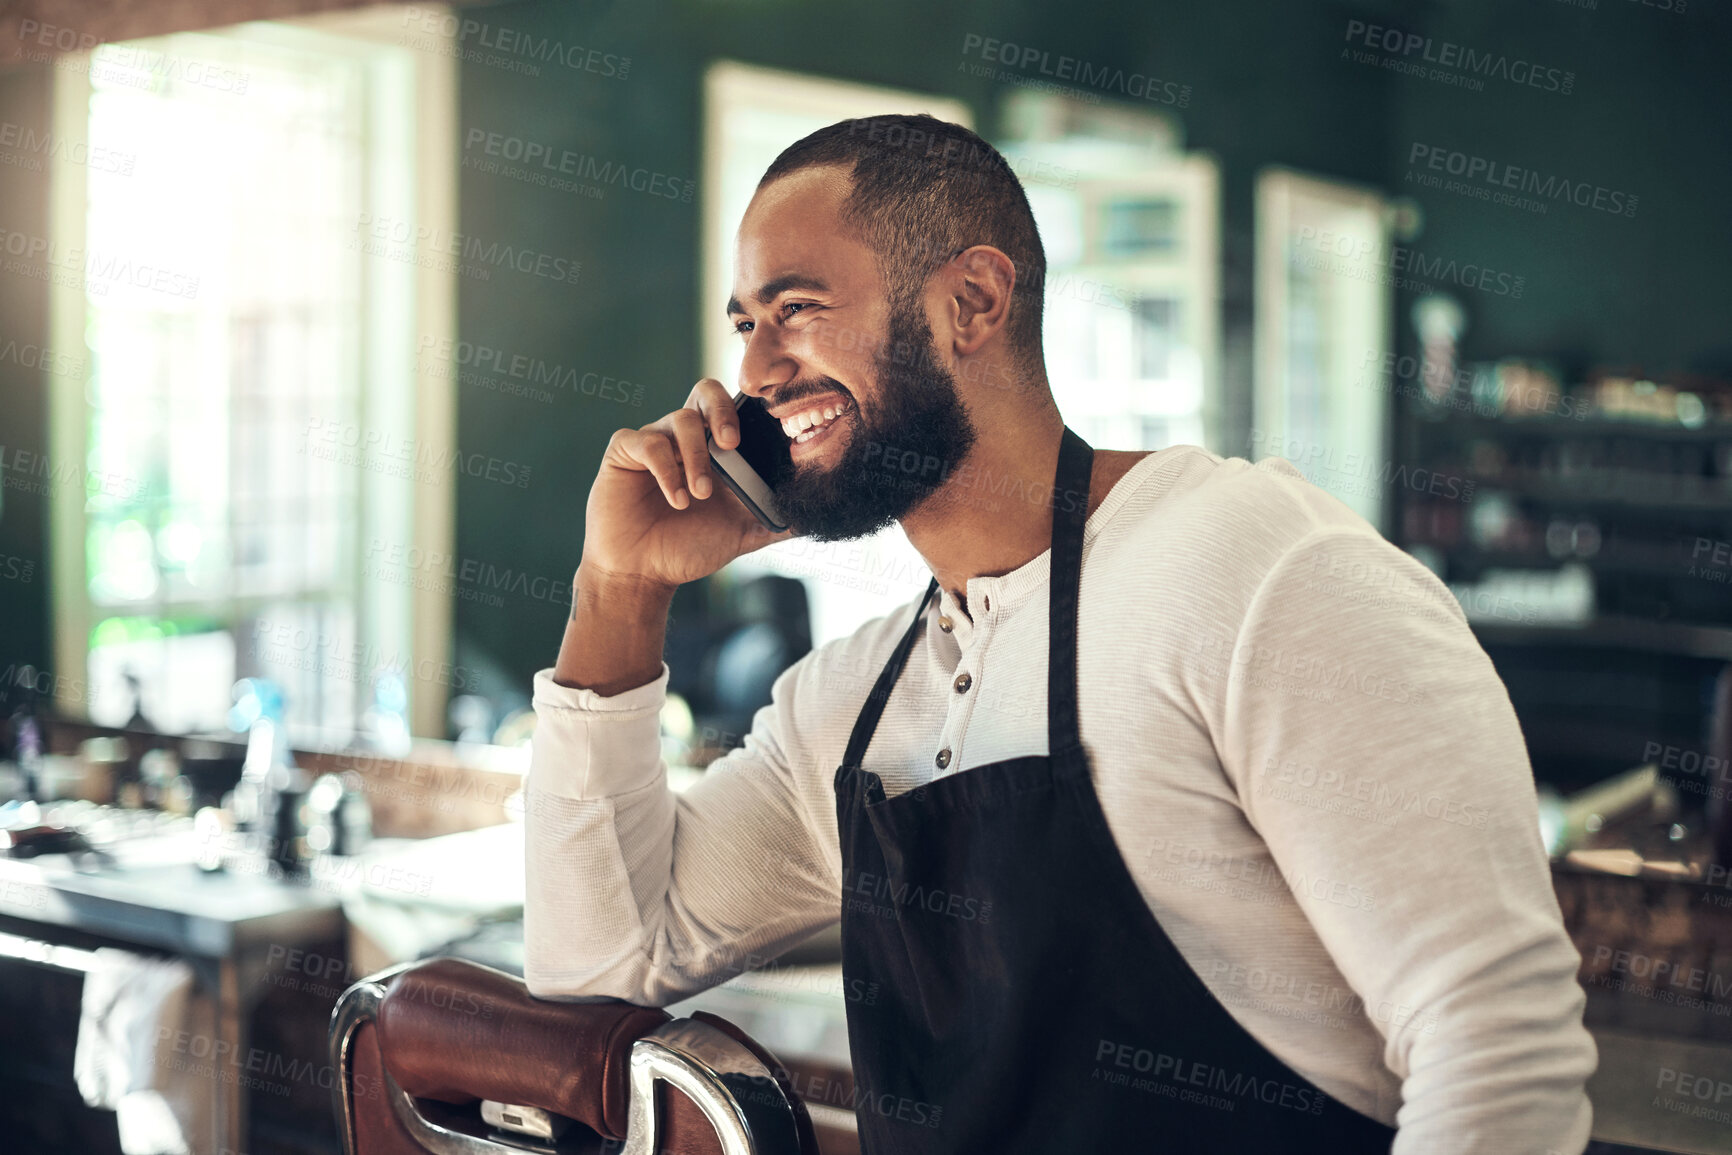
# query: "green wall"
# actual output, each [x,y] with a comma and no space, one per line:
[1650,114]
[1265,89]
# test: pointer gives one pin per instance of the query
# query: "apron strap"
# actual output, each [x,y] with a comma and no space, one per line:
[1070,505]
[867,722]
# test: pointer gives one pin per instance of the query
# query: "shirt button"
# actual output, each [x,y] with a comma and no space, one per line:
[943,758]
[963,681]
[988,601]
[945,624]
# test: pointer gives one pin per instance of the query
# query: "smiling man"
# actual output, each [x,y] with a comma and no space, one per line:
[1179,804]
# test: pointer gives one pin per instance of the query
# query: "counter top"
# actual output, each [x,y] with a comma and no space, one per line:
[168,904]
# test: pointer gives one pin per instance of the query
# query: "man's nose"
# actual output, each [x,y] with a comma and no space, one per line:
[766,365]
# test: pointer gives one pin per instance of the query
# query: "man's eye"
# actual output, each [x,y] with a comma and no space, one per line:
[744,326]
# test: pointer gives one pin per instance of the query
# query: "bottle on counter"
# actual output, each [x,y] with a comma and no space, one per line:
[131,790]
[339,819]
[384,725]
[158,769]
[27,743]
[268,798]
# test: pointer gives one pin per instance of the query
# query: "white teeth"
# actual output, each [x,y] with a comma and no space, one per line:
[800,425]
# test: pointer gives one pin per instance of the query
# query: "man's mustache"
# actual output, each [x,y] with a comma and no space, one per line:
[800,390]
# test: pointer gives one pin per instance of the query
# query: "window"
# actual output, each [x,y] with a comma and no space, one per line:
[252,379]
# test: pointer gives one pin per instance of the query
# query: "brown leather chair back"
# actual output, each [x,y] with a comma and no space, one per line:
[430,1056]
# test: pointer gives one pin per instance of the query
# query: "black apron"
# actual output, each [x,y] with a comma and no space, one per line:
[1016,992]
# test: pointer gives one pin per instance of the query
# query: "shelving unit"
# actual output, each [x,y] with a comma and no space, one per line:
[1644,504]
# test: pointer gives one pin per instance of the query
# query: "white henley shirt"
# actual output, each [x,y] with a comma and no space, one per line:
[1310,766]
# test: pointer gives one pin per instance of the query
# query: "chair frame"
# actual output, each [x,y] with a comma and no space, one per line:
[733,1088]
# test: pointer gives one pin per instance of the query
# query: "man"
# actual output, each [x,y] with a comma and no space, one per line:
[1187,813]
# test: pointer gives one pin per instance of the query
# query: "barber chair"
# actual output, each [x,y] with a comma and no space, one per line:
[451,1057]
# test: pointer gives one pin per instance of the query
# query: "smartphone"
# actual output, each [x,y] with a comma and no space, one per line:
[760,462]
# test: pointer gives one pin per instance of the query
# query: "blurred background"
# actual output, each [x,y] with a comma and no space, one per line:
[315,330]
[315,320]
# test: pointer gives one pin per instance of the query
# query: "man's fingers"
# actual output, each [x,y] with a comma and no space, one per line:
[712,399]
[676,449]
[688,432]
[652,449]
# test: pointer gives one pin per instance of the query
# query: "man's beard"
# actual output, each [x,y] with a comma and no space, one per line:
[918,417]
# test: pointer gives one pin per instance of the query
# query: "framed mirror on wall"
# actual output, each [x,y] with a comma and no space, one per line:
[1324,301]
[1131,225]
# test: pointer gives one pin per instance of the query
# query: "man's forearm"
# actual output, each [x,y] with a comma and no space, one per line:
[631,891]
[615,635]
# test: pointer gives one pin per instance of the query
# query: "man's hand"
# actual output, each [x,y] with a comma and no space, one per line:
[657,516]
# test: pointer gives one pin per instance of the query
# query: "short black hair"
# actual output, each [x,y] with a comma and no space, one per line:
[923,191]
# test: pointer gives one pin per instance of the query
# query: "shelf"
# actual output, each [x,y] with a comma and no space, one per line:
[1479,559]
[1458,425]
[1599,489]
[1676,638]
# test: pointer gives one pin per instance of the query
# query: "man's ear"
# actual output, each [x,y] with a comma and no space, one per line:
[977,285]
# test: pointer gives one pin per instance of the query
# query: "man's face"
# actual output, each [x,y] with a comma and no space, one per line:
[854,378]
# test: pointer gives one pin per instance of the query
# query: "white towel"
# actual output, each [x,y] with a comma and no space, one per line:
[140,1032]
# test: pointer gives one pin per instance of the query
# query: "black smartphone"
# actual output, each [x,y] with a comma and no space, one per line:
[758,464]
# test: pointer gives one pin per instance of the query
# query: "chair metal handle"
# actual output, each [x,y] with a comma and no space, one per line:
[730,1085]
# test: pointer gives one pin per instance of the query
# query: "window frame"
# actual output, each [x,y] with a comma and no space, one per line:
[1346,416]
[424,87]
